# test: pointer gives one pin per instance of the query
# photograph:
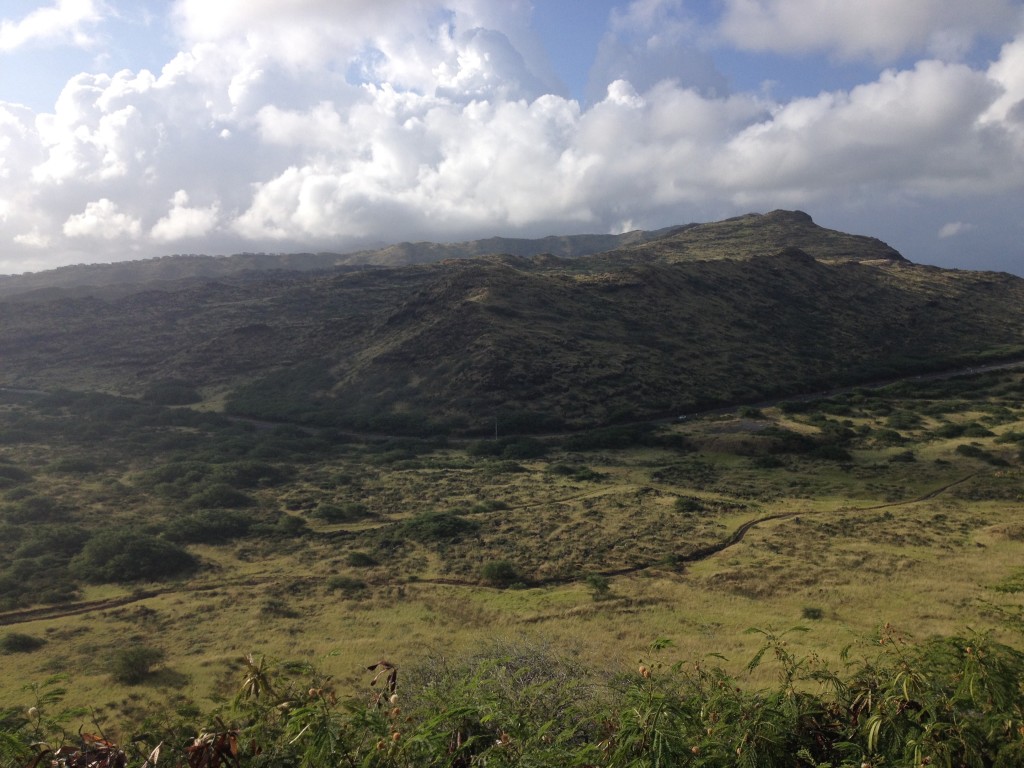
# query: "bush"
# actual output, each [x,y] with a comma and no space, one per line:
[976,452]
[126,556]
[610,438]
[580,473]
[347,585]
[36,509]
[903,457]
[250,474]
[75,465]
[133,665]
[600,586]
[500,573]
[349,512]
[18,642]
[509,448]
[11,475]
[360,560]
[210,527]
[438,526]
[689,505]
[171,392]
[220,496]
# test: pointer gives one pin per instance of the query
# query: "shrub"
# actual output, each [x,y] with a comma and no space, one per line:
[347,585]
[499,573]
[689,505]
[904,420]
[976,430]
[438,526]
[75,465]
[126,556]
[349,512]
[950,430]
[600,586]
[576,473]
[250,474]
[131,666]
[509,448]
[11,475]
[219,496]
[360,560]
[171,392]
[210,527]
[609,438]
[976,452]
[903,457]
[19,642]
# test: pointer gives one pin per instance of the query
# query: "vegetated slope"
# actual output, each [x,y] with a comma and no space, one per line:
[119,276]
[756,234]
[539,343]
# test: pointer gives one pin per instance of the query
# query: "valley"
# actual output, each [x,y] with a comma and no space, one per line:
[571,462]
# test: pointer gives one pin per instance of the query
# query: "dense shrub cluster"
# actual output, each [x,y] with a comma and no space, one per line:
[126,556]
[948,702]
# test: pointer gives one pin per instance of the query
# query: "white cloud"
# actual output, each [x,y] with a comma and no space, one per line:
[954,228]
[911,132]
[64,22]
[33,239]
[876,29]
[102,219]
[438,126]
[183,222]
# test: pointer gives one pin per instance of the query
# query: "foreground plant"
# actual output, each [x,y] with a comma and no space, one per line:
[949,702]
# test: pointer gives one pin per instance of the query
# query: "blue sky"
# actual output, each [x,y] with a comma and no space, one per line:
[138,129]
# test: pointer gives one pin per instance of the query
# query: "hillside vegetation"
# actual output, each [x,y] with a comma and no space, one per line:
[538,344]
[619,569]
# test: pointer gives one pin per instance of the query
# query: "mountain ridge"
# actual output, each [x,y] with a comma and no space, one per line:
[776,305]
[739,237]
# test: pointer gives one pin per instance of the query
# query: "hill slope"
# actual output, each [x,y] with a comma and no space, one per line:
[778,306]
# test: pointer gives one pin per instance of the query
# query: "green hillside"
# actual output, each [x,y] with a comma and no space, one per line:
[737,311]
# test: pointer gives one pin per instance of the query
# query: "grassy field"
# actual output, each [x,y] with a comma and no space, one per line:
[897,506]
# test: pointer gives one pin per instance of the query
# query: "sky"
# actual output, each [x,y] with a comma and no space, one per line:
[139,128]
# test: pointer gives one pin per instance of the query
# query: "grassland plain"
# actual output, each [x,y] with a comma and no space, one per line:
[899,505]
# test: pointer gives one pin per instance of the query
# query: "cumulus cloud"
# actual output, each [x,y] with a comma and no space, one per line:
[183,221]
[102,219]
[876,29]
[335,122]
[65,22]
[33,239]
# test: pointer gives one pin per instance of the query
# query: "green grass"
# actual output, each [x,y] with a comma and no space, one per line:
[927,546]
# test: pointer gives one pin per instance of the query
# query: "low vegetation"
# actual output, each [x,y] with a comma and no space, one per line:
[951,701]
[194,540]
